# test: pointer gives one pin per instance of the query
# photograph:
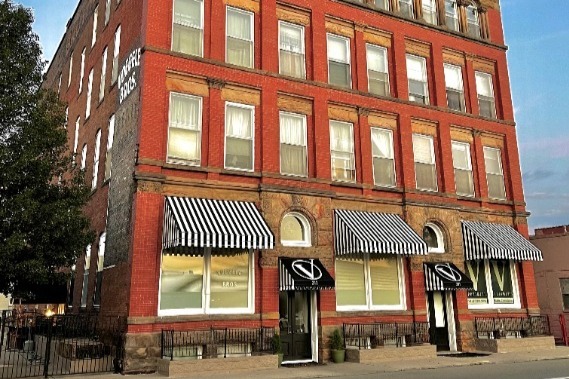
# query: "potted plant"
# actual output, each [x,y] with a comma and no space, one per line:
[337,347]
[278,347]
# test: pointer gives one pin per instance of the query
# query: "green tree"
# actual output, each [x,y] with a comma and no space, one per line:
[42,226]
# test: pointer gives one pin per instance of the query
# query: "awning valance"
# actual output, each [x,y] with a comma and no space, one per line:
[357,232]
[445,277]
[483,240]
[199,223]
[303,274]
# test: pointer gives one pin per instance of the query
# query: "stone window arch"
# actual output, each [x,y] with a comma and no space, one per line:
[295,230]
[434,238]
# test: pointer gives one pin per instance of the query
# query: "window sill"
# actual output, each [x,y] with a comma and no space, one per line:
[346,184]
[394,189]
[251,174]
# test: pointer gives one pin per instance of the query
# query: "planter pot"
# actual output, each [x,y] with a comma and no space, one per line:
[338,356]
[280,358]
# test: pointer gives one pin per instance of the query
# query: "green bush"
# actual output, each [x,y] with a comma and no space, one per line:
[336,340]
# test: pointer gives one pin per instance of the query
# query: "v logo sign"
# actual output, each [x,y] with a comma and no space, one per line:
[500,277]
[474,275]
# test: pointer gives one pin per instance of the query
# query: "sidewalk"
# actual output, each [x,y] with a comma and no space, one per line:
[331,370]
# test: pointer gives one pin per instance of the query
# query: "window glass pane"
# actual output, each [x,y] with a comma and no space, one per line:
[350,283]
[239,37]
[461,155]
[430,237]
[406,7]
[184,139]
[341,136]
[239,153]
[384,275]
[238,121]
[382,144]
[293,144]
[338,49]
[451,13]
[291,229]
[239,24]
[425,175]
[188,28]
[188,13]
[415,68]
[492,160]
[383,4]
[291,41]
[339,73]
[181,283]
[382,152]
[376,58]
[565,292]
[291,38]
[502,288]
[453,77]
[422,149]
[484,84]
[476,271]
[430,11]
[229,281]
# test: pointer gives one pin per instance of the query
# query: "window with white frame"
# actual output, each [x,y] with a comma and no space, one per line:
[406,8]
[429,8]
[342,151]
[383,157]
[382,4]
[82,72]
[454,87]
[76,136]
[83,158]
[109,154]
[377,70]
[107,12]
[451,15]
[188,26]
[240,37]
[417,79]
[485,92]
[96,156]
[295,230]
[95,20]
[494,173]
[86,268]
[70,70]
[100,266]
[564,283]
[425,167]
[103,75]
[461,161]
[89,93]
[339,70]
[369,283]
[434,238]
[473,21]
[293,144]
[495,284]
[239,136]
[215,282]
[291,50]
[116,51]
[185,129]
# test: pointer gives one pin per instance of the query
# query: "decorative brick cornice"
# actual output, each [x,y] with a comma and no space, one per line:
[215,83]
[363,111]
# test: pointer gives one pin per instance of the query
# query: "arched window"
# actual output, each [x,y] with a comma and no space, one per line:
[433,236]
[295,230]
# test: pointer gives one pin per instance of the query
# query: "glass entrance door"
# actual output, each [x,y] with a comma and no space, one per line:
[438,323]
[294,323]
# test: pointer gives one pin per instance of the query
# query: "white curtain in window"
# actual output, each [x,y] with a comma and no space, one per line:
[460,152]
[184,112]
[484,84]
[422,149]
[293,145]
[291,38]
[188,13]
[415,68]
[492,161]
[381,143]
[337,49]
[453,78]
[292,130]
[238,122]
[238,25]
[376,59]
[341,137]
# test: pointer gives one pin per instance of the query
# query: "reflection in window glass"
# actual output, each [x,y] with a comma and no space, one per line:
[229,281]
[182,282]
[502,289]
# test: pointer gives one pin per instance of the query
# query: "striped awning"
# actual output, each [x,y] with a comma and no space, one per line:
[303,274]
[198,223]
[445,277]
[483,240]
[357,232]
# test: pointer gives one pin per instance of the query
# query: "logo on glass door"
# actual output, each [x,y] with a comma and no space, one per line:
[446,271]
[307,269]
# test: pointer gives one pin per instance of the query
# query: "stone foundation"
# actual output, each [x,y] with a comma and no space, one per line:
[203,367]
[142,351]
[517,345]
[391,354]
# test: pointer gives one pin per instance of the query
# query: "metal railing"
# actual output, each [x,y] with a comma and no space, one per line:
[513,327]
[216,343]
[372,335]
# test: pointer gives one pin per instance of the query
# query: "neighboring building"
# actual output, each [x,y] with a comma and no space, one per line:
[5,303]
[552,277]
[273,163]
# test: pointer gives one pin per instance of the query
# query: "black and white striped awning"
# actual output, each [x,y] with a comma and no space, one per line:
[445,277]
[198,223]
[483,240]
[357,232]
[303,274]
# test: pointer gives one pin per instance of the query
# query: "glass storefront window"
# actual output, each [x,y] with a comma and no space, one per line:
[494,284]
[350,283]
[477,273]
[384,281]
[501,274]
[182,282]
[229,281]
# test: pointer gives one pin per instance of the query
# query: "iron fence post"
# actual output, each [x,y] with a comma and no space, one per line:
[2,331]
[171,345]
[225,344]
[548,331]
[47,347]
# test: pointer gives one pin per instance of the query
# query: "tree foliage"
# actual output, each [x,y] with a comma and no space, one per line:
[42,226]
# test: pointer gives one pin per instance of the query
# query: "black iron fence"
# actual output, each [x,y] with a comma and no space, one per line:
[370,336]
[216,343]
[35,345]
[515,327]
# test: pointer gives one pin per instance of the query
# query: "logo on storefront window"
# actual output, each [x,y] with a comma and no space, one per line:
[448,272]
[307,269]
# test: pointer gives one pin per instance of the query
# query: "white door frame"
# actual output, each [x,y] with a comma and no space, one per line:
[451,324]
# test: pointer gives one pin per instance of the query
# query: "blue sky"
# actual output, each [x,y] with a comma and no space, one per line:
[537,36]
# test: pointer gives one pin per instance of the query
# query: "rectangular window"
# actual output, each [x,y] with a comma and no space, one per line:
[83,158]
[240,37]
[110,140]
[86,267]
[462,169]
[103,75]
[485,92]
[291,50]
[211,283]
[342,151]
[494,173]
[383,157]
[70,70]
[377,71]
[473,22]
[565,293]
[369,284]
[116,51]
[451,14]
[184,130]
[100,266]
[430,11]
[454,87]
[406,8]
[96,157]
[59,84]
[495,284]
[382,4]
[89,93]
[425,168]
[95,20]
[339,70]
[239,136]
[293,144]
[82,73]
[76,136]
[187,30]
[417,79]
[107,12]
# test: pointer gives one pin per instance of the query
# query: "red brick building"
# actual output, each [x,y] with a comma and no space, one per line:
[238,148]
